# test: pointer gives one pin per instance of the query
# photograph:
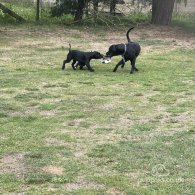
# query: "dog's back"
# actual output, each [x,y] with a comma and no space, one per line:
[135,46]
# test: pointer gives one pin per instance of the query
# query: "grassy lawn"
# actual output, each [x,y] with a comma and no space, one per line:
[77,132]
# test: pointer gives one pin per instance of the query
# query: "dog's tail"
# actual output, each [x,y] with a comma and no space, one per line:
[69,46]
[128,39]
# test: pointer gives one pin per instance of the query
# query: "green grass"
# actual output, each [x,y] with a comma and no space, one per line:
[77,132]
[185,21]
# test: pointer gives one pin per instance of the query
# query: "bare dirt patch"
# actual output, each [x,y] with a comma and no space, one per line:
[13,164]
[61,37]
[53,170]
[175,36]
[114,191]
[48,113]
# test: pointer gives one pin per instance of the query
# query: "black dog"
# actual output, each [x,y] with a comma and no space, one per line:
[80,65]
[128,51]
[82,58]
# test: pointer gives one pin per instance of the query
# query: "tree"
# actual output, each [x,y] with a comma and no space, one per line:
[95,5]
[180,1]
[113,6]
[80,10]
[162,11]
[64,7]
[74,7]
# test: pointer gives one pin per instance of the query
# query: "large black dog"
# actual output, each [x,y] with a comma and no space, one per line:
[82,58]
[128,51]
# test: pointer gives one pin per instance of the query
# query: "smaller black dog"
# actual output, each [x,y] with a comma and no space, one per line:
[82,58]
[129,52]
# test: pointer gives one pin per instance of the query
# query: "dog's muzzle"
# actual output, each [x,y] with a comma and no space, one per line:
[106,60]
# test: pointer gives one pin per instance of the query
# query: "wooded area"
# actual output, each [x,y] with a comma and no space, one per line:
[161,9]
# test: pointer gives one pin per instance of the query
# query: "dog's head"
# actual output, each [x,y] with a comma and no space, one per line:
[97,55]
[109,55]
[111,51]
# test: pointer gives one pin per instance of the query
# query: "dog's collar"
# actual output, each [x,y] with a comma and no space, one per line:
[125,49]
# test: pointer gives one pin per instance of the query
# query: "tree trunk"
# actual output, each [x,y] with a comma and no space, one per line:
[80,10]
[113,6]
[95,5]
[87,7]
[11,13]
[95,8]
[162,11]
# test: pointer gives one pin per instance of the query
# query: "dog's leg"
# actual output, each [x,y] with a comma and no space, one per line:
[124,60]
[81,67]
[120,63]
[64,62]
[89,67]
[77,64]
[73,63]
[133,68]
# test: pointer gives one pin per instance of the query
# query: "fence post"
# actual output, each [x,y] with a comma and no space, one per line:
[38,10]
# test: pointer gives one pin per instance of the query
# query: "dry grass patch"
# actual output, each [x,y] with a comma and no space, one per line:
[53,170]
[55,142]
[82,183]
[13,164]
